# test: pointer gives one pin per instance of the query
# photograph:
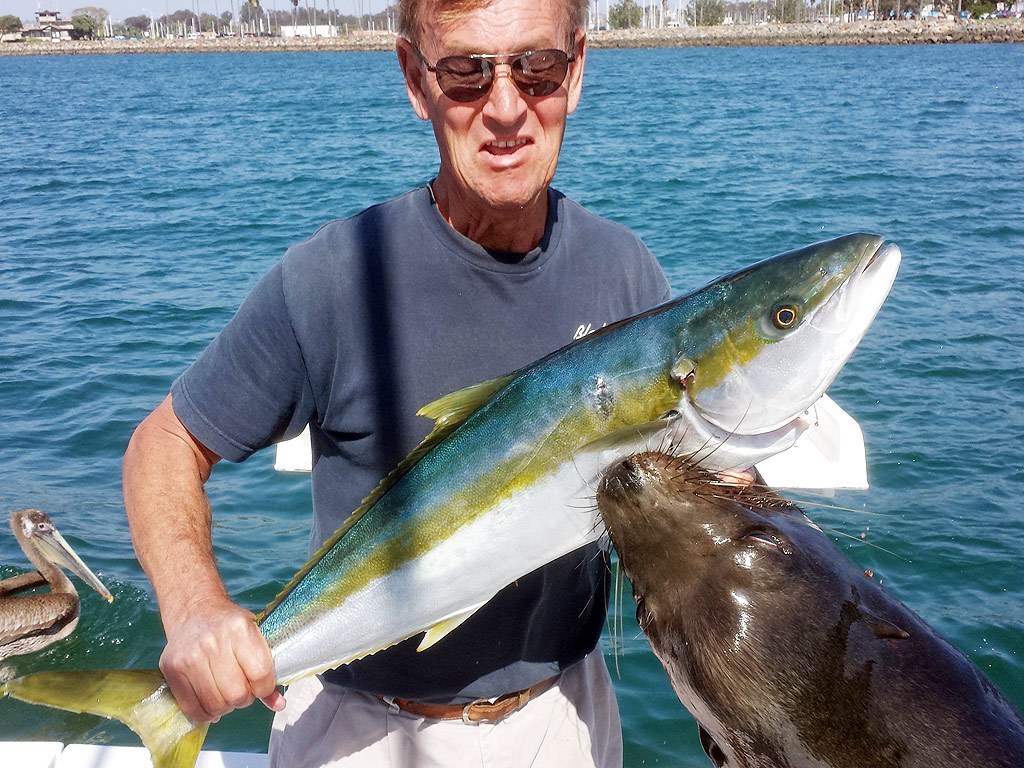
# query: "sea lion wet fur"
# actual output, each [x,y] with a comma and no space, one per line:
[783,650]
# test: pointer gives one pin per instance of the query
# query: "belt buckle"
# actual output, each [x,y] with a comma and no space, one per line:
[465,712]
[502,707]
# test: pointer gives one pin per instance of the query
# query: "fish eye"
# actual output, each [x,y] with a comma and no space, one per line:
[785,316]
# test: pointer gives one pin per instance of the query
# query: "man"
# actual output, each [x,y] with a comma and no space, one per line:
[481,272]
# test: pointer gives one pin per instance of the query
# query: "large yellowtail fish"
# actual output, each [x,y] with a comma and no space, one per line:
[504,484]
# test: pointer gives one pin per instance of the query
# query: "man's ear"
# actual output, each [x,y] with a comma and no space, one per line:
[414,71]
[575,84]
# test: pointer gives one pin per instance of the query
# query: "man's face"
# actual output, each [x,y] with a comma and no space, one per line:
[500,151]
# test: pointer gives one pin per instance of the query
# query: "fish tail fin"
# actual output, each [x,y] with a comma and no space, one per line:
[138,698]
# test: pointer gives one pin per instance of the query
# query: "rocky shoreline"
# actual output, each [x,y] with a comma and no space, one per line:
[923,31]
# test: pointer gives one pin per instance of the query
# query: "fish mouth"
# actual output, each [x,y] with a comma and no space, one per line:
[867,287]
[698,439]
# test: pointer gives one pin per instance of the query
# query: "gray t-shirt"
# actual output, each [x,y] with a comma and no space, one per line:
[377,315]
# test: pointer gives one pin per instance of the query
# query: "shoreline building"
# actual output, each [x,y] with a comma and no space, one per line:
[49,26]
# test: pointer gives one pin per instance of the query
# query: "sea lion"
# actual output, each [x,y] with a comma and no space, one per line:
[786,653]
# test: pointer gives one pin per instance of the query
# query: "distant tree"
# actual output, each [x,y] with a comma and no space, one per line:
[625,15]
[179,21]
[99,15]
[705,13]
[83,27]
[184,17]
[248,12]
[137,23]
[9,24]
[208,22]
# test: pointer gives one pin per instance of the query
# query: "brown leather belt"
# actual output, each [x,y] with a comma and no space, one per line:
[480,711]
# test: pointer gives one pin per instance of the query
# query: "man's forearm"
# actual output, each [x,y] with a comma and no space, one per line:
[215,659]
[169,514]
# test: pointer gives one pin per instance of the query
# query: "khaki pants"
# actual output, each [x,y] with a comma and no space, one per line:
[573,724]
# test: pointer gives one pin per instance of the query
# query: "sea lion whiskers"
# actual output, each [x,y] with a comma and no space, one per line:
[696,455]
[858,539]
[668,446]
[762,497]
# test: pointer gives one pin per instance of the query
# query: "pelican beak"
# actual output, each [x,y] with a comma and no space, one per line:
[61,552]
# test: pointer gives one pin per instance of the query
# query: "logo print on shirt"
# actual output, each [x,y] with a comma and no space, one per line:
[585,330]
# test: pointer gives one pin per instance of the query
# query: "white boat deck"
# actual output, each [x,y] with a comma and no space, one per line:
[52,754]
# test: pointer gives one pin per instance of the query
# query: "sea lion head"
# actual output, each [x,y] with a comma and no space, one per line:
[701,541]
[744,603]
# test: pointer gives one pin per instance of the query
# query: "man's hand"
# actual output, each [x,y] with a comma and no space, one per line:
[216,660]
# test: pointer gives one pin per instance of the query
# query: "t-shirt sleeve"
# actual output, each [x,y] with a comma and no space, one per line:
[653,283]
[249,388]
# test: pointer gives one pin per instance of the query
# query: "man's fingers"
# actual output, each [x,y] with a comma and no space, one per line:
[184,691]
[217,663]
[232,691]
[274,702]
[254,659]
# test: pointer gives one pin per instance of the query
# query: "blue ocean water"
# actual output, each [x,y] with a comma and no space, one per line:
[141,197]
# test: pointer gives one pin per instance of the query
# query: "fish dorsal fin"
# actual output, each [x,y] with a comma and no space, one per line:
[448,413]
[442,628]
[453,408]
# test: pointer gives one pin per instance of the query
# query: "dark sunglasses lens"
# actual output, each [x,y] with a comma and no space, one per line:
[466,78]
[540,73]
[462,78]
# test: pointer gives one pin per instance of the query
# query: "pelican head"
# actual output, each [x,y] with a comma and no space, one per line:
[43,544]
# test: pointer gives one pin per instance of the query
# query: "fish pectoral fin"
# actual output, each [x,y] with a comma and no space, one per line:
[138,698]
[441,629]
[627,435]
[884,629]
[453,408]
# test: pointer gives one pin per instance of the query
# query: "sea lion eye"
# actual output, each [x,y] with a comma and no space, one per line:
[761,537]
[785,316]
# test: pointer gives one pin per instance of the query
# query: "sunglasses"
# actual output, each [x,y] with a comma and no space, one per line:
[468,78]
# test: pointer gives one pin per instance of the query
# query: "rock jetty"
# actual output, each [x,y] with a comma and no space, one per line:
[921,31]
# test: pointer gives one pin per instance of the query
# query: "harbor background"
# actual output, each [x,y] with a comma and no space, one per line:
[922,31]
[141,197]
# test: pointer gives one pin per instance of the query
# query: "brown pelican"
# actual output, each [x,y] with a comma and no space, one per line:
[31,622]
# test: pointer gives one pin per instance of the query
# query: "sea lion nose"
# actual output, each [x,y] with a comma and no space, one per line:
[623,477]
